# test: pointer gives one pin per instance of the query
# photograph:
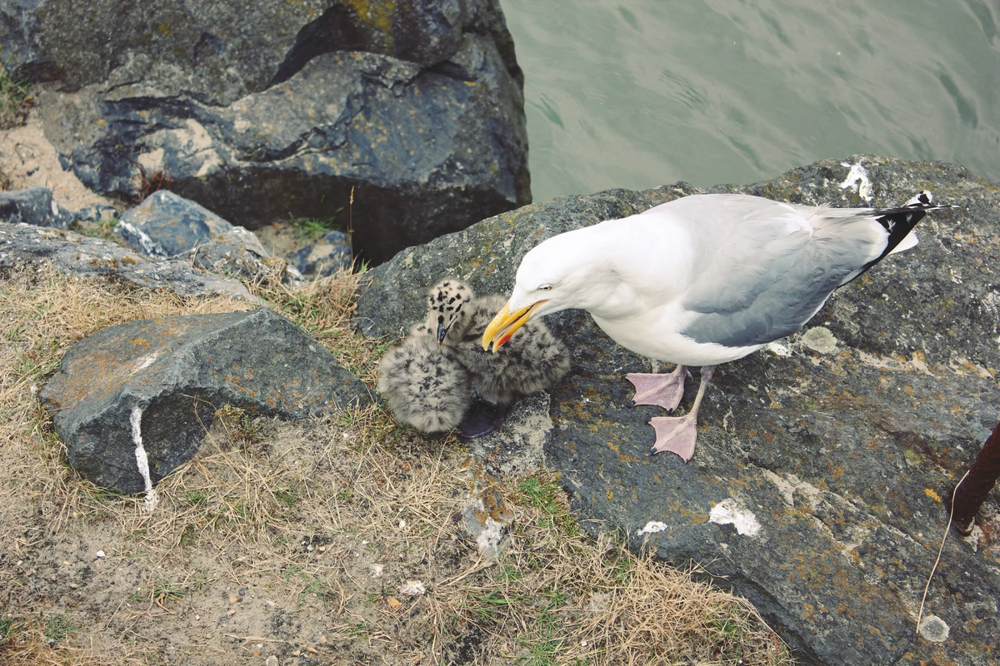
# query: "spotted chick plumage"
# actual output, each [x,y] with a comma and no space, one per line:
[426,386]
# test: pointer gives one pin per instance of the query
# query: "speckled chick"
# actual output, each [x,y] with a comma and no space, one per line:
[425,385]
[531,361]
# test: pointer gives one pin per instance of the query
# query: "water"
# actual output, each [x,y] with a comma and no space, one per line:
[639,93]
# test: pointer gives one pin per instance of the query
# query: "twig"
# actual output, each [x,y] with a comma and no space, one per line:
[951,515]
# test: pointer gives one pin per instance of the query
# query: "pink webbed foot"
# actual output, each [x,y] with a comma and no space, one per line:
[661,390]
[676,434]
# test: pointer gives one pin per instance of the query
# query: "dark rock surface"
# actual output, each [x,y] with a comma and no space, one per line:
[34,205]
[179,370]
[278,108]
[166,224]
[327,256]
[238,253]
[822,462]
[72,253]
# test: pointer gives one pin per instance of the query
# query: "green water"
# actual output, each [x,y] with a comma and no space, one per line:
[638,93]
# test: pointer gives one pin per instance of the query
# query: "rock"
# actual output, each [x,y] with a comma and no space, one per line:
[180,370]
[279,108]
[840,456]
[238,253]
[329,255]
[72,253]
[34,205]
[166,224]
[97,213]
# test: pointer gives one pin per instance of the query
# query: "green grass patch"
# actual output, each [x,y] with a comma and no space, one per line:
[15,100]
[311,228]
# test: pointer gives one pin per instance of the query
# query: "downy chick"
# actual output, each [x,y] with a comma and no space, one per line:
[532,361]
[426,386]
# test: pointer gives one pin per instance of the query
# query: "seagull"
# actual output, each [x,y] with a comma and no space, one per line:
[425,387]
[702,280]
[534,361]
[440,378]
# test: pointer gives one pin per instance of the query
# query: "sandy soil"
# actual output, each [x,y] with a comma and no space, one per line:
[29,160]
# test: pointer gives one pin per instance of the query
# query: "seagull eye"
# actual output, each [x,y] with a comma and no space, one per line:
[545,287]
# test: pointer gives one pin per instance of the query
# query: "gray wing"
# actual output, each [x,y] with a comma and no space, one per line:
[766,269]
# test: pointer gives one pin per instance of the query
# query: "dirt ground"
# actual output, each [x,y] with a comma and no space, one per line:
[29,160]
[337,541]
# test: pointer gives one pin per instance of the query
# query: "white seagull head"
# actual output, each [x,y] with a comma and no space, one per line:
[566,271]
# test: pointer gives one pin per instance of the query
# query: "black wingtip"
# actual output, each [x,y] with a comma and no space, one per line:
[899,222]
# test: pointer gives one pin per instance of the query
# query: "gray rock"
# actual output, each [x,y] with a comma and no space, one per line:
[327,256]
[98,213]
[166,224]
[34,205]
[238,253]
[281,108]
[816,487]
[72,253]
[179,370]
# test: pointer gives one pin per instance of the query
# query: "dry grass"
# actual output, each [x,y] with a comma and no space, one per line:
[296,540]
[323,308]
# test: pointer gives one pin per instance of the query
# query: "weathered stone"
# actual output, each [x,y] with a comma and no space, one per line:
[180,370]
[72,253]
[166,224]
[840,456]
[238,253]
[34,206]
[282,108]
[327,256]
[98,213]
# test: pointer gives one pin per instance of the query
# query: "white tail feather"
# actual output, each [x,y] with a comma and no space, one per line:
[909,241]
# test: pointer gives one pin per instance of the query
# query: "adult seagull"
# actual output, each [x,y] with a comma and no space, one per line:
[703,280]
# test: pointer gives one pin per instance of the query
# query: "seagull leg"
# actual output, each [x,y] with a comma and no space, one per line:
[677,434]
[658,389]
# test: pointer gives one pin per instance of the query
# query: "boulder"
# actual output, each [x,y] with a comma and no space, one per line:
[179,371]
[34,205]
[73,253]
[238,253]
[327,256]
[166,224]
[824,462]
[279,108]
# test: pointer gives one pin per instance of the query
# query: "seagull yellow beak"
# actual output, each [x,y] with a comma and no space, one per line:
[505,325]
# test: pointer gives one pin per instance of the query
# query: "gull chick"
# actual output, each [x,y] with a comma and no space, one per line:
[425,387]
[534,361]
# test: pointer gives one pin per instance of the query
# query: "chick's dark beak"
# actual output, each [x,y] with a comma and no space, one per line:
[442,333]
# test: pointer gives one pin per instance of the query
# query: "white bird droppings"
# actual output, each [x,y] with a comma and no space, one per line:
[934,629]
[819,339]
[141,460]
[413,588]
[858,175]
[491,536]
[652,527]
[728,512]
